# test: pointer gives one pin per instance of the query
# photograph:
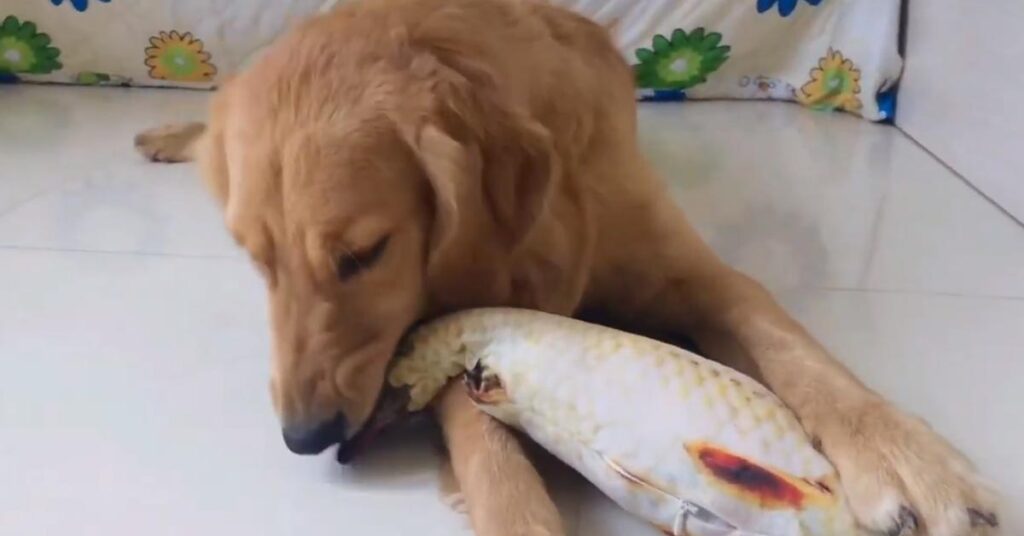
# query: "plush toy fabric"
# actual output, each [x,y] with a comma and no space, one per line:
[690,445]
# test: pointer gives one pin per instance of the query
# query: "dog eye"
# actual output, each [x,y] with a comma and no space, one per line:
[351,263]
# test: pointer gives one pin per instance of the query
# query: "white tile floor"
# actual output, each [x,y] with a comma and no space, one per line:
[133,341]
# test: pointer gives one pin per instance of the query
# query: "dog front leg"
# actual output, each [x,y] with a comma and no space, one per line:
[503,492]
[900,477]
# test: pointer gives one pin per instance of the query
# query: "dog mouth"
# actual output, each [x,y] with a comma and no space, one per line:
[390,408]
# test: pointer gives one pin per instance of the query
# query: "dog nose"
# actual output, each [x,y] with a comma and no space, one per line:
[314,438]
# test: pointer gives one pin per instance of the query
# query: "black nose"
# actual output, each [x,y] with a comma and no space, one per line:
[314,438]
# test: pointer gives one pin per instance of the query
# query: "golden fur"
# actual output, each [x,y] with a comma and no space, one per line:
[493,144]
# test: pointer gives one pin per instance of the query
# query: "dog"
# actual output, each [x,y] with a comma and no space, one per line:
[394,160]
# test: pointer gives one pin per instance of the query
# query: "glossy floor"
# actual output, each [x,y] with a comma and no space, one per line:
[134,346]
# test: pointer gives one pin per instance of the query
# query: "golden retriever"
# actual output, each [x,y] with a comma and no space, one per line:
[396,159]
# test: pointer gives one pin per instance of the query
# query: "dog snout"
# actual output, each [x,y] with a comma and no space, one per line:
[314,438]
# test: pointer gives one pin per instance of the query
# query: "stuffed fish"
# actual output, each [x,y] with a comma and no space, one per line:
[692,446]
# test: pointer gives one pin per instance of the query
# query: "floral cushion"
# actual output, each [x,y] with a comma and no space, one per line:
[183,43]
[827,54]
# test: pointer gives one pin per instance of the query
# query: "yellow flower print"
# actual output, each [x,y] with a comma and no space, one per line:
[834,84]
[178,57]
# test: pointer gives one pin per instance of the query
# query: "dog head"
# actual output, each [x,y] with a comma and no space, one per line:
[365,220]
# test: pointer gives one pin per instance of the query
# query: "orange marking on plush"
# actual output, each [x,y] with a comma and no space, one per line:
[769,488]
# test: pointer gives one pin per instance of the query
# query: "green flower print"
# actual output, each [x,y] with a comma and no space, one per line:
[24,50]
[681,62]
[93,78]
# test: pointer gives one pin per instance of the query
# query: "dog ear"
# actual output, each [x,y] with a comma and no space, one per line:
[520,173]
[464,261]
[499,181]
[454,170]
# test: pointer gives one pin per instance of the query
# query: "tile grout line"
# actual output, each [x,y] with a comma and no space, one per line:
[7,247]
[876,233]
[965,180]
[908,292]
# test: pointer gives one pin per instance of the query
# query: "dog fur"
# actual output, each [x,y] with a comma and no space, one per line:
[483,153]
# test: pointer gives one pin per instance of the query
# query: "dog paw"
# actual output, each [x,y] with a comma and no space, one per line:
[169,143]
[457,502]
[903,479]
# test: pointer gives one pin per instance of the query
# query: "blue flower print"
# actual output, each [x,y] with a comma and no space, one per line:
[786,7]
[79,5]
[886,99]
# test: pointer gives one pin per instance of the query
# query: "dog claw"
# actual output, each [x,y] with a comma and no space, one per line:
[979,518]
[457,502]
[906,523]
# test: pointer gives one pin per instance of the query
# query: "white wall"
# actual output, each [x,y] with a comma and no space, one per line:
[962,94]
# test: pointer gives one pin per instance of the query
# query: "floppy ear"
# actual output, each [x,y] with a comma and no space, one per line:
[520,173]
[498,182]
[454,170]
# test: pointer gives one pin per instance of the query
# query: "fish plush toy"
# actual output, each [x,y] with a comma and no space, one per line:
[692,446]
